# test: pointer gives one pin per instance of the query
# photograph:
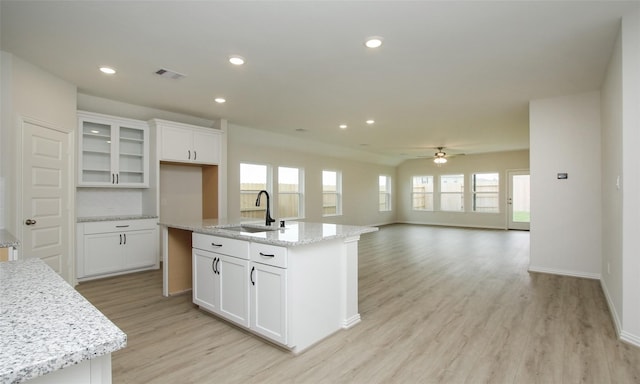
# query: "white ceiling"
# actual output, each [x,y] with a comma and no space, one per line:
[452,74]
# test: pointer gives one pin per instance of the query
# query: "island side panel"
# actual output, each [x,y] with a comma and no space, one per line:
[350,314]
[179,261]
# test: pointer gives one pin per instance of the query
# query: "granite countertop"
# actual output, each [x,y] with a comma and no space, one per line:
[46,325]
[90,219]
[295,233]
[7,239]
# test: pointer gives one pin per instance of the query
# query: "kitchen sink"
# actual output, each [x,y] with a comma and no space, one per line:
[250,229]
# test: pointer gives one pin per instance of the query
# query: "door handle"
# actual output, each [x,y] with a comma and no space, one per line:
[30,222]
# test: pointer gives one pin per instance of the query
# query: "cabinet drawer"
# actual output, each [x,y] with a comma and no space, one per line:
[269,254]
[119,226]
[223,245]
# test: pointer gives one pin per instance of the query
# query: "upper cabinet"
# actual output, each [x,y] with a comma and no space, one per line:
[187,143]
[113,151]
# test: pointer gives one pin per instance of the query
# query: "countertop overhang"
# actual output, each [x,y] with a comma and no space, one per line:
[295,233]
[46,325]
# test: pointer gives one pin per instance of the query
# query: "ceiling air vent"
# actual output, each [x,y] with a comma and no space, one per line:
[169,74]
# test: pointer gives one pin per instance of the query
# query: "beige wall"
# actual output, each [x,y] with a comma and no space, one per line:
[498,162]
[359,179]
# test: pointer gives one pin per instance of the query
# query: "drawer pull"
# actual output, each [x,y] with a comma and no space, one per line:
[251,276]
[266,255]
[216,245]
[122,226]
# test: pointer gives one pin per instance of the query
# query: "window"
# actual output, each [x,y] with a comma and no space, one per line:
[253,179]
[452,193]
[331,193]
[384,183]
[422,193]
[290,197]
[485,188]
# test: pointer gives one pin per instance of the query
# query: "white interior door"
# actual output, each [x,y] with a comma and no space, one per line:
[519,200]
[45,196]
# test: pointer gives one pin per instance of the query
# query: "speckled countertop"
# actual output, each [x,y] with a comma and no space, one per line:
[295,233]
[7,239]
[90,219]
[46,325]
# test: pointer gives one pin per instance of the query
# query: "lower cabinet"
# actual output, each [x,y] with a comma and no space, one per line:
[221,285]
[108,248]
[292,296]
[269,301]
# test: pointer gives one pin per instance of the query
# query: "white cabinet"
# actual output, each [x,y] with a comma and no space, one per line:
[113,247]
[186,143]
[113,151]
[221,277]
[269,302]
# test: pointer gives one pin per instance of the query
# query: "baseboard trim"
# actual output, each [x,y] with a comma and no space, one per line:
[451,225]
[562,272]
[350,322]
[629,338]
[612,309]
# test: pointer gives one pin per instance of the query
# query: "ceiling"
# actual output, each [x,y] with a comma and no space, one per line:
[452,74]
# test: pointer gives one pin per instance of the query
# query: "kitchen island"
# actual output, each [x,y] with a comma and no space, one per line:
[49,333]
[293,285]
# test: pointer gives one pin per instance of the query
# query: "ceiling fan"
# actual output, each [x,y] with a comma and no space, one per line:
[440,157]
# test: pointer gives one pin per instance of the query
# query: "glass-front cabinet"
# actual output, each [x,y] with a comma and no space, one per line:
[113,152]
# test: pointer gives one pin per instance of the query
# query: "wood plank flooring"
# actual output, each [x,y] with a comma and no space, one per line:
[438,305]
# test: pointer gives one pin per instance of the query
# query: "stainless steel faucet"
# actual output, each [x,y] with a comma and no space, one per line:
[267,220]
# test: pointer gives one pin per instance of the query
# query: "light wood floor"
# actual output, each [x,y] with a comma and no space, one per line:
[438,305]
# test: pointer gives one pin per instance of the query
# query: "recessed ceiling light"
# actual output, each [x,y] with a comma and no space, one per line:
[343,126]
[373,42]
[107,70]
[220,100]
[236,60]
[370,121]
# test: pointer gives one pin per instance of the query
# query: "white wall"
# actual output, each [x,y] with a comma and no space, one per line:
[498,162]
[29,91]
[611,108]
[566,214]
[631,171]
[359,179]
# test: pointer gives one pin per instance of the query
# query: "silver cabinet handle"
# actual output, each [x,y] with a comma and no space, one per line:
[30,222]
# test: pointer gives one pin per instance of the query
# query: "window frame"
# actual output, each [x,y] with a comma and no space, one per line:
[425,194]
[387,193]
[299,193]
[337,193]
[442,193]
[475,194]
[268,184]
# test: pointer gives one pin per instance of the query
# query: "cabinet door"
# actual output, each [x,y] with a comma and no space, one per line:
[206,147]
[205,280]
[95,158]
[269,301]
[176,144]
[132,166]
[234,289]
[139,249]
[102,253]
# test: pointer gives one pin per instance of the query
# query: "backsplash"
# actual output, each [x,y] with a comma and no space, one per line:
[108,202]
